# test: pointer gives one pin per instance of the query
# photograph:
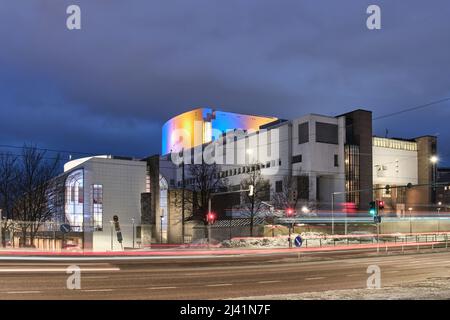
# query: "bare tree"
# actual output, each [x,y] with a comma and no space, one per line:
[30,196]
[254,204]
[8,176]
[293,194]
[287,197]
[206,180]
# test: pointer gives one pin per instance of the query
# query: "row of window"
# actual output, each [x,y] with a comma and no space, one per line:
[75,197]
[97,205]
[237,171]
[394,144]
[298,159]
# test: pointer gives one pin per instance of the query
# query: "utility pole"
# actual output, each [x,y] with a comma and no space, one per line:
[133,226]
[182,200]
[111,235]
[209,222]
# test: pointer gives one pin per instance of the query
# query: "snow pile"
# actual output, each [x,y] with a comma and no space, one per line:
[435,289]
[310,239]
[313,239]
[255,242]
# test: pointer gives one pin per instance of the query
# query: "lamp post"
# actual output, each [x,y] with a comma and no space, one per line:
[112,232]
[332,213]
[410,225]
[332,210]
[209,222]
[132,224]
[434,160]
[161,226]
[438,218]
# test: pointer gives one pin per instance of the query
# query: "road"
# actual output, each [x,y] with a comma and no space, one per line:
[215,277]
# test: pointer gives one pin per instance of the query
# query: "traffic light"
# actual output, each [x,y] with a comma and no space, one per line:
[381,205]
[294,195]
[117,227]
[250,190]
[211,217]
[388,189]
[116,223]
[289,212]
[373,209]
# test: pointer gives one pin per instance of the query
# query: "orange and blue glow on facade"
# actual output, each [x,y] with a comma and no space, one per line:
[203,125]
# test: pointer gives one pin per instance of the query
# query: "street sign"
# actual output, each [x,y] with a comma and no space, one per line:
[65,228]
[298,241]
[377,219]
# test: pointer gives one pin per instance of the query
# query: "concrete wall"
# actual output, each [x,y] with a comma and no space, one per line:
[419,225]
[397,167]
[219,234]
[427,147]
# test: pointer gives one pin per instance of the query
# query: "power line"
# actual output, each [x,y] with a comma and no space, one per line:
[246,137]
[42,149]
[422,106]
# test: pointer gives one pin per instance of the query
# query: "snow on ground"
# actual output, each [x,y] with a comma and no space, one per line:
[430,289]
[310,239]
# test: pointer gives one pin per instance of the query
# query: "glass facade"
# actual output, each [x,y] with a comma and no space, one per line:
[394,144]
[74,199]
[352,174]
[97,206]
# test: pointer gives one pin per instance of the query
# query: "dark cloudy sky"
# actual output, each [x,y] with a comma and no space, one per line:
[109,87]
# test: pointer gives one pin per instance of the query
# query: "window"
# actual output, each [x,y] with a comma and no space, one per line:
[279,186]
[97,206]
[336,160]
[147,183]
[297,158]
[303,187]
[74,199]
[326,133]
[303,132]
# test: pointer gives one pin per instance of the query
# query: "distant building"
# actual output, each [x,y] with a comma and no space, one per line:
[443,189]
[399,162]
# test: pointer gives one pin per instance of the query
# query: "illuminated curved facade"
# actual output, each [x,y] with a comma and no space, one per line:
[75,198]
[203,125]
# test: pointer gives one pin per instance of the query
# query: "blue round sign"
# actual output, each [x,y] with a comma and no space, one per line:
[65,228]
[298,241]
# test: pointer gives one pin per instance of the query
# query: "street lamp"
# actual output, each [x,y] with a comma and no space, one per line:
[112,232]
[438,218]
[434,159]
[132,223]
[161,231]
[410,225]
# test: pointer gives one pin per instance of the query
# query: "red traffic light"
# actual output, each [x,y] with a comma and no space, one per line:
[211,217]
[381,204]
[289,212]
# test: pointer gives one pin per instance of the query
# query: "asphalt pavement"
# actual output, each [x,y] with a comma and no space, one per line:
[215,277]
